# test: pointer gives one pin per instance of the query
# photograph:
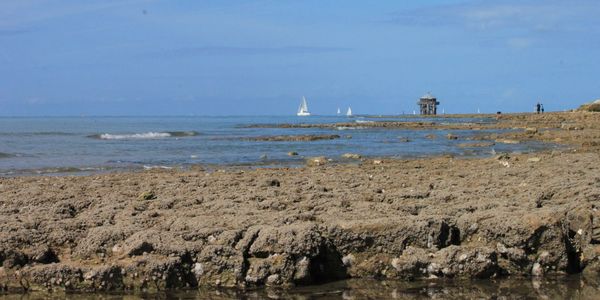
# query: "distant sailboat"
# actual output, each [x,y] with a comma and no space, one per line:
[339,112]
[349,112]
[303,109]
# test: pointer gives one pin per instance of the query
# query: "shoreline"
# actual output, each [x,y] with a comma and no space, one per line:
[530,215]
[490,133]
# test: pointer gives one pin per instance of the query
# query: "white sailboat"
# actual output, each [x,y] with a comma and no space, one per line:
[349,112]
[303,109]
[339,112]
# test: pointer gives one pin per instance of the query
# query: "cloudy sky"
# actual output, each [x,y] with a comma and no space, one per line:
[218,57]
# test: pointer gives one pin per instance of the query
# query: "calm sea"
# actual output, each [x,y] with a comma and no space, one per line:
[64,145]
[563,287]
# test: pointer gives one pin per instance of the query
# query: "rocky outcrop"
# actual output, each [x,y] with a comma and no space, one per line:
[593,106]
[294,138]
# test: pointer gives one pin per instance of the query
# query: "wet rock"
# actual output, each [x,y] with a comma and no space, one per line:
[451,136]
[317,161]
[295,138]
[292,153]
[507,141]
[476,145]
[531,130]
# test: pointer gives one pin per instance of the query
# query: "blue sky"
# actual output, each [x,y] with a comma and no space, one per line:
[145,57]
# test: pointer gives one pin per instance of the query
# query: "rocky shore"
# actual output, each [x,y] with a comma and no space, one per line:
[531,215]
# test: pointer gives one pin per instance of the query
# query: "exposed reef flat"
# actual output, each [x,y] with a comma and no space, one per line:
[294,138]
[512,215]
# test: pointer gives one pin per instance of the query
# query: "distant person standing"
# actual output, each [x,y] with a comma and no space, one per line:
[538,107]
[542,105]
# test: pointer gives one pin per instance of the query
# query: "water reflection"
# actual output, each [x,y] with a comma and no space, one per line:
[572,287]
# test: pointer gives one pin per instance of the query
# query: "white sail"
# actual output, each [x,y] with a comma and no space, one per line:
[303,109]
[349,112]
[339,111]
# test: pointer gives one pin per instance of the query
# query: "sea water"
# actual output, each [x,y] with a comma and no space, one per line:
[62,145]
[563,287]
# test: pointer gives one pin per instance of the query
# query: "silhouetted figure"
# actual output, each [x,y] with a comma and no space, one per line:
[538,107]
[542,107]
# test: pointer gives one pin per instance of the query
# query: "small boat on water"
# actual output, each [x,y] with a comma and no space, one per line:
[349,112]
[339,112]
[303,109]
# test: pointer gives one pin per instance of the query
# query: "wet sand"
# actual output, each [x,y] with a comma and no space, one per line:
[533,215]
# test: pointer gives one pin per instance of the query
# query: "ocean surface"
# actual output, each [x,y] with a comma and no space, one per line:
[64,145]
[563,287]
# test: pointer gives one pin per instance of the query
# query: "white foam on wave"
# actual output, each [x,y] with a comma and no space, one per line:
[145,135]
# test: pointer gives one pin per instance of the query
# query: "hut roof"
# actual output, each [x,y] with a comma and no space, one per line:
[428,96]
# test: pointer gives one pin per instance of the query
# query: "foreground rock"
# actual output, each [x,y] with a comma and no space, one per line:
[519,215]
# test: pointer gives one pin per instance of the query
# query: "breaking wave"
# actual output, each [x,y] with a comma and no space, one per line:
[143,136]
